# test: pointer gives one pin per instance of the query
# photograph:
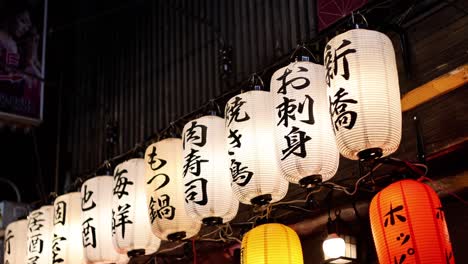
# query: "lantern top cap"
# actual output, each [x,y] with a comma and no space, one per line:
[97,177]
[165,140]
[255,84]
[203,118]
[302,53]
[17,222]
[332,235]
[67,194]
[136,159]
[358,31]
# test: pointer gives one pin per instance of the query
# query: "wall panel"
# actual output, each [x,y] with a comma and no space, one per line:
[147,63]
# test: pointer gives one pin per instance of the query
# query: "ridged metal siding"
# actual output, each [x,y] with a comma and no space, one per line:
[145,65]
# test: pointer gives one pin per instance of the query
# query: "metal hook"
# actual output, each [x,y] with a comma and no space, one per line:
[356,24]
[302,47]
[254,77]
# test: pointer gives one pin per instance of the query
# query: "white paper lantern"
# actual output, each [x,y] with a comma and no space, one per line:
[15,242]
[305,142]
[96,220]
[131,226]
[165,191]
[249,126]
[67,246]
[364,94]
[40,225]
[207,181]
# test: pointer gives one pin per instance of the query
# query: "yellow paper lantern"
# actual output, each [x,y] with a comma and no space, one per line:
[207,182]
[305,143]
[67,246]
[40,233]
[15,242]
[271,244]
[165,191]
[130,225]
[256,176]
[364,94]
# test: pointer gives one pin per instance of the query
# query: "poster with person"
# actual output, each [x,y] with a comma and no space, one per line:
[22,60]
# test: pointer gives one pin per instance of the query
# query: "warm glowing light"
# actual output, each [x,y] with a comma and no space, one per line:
[15,242]
[131,225]
[364,94]
[334,246]
[408,224]
[165,192]
[271,244]
[96,220]
[207,182]
[256,176]
[305,143]
[40,225]
[68,245]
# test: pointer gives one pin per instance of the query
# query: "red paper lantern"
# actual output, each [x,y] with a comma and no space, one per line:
[408,225]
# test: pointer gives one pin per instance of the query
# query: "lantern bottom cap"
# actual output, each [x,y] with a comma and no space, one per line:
[177,236]
[310,182]
[370,154]
[135,253]
[212,221]
[261,199]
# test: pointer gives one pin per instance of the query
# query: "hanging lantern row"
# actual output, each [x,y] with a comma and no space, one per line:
[266,140]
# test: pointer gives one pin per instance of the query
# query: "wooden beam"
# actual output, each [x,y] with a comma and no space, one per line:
[435,88]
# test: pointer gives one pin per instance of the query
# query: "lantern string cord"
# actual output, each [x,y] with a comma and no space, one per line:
[442,189]
[356,185]
[212,232]
[172,248]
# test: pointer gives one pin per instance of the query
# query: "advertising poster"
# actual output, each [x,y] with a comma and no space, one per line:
[22,60]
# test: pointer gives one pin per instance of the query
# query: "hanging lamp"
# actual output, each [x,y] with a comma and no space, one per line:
[271,244]
[207,183]
[408,225]
[305,143]
[165,193]
[131,228]
[363,94]
[67,246]
[15,244]
[96,220]
[40,235]
[255,173]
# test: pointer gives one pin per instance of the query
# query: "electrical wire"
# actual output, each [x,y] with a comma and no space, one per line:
[440,188]
[14,187]
[172,248]
[356,185]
